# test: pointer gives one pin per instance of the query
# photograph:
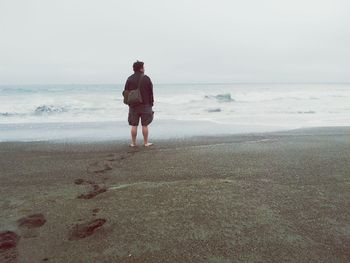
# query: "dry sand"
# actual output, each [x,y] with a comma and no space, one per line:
[276,197]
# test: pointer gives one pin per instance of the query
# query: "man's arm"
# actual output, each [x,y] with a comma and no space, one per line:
[151,91]
[126,85]
[126,88]
[125,92]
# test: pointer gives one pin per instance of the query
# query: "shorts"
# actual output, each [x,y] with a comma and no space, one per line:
[144,112]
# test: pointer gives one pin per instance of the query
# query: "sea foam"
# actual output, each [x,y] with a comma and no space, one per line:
[241,105]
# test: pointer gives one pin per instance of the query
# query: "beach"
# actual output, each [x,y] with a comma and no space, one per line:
[263,197]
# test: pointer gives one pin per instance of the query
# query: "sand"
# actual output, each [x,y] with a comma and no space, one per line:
[274,197]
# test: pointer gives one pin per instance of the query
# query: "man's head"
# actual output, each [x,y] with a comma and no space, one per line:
[138,66]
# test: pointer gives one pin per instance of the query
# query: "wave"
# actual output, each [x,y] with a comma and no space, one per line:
[306,112]
[39,89]
[295,112]
[80,103]
[214,110]
[9,114]
[49,109]
[15,90]
[220,97]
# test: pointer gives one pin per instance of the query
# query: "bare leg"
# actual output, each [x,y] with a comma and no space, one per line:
[133,134]
[145,134]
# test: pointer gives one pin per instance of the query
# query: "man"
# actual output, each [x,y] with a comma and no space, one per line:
[143,110]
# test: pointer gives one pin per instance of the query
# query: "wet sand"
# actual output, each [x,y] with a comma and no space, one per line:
[274,197]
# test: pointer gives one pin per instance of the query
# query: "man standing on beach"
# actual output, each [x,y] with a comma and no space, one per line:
[142,110]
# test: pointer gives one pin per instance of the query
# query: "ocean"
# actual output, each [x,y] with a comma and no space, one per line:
[97,112]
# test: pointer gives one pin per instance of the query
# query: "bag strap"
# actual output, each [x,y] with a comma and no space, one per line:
[139,83]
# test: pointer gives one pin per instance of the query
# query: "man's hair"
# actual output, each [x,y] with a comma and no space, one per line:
[137,66]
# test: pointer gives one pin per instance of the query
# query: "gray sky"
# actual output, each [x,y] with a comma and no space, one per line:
[96,41]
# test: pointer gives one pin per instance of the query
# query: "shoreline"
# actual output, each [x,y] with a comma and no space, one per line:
[279,196]
[120,130]
[163,130]
[220,137]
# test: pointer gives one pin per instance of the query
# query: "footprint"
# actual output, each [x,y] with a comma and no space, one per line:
[79,181]
[28,225]
[104,179]
[80,231]
[123,157]
[111,157]
[96,190]
[32,221]
[95,211]
[8,244]
[105,168]
[97,167]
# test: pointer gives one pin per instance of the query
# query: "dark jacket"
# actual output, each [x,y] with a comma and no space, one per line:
[146,87]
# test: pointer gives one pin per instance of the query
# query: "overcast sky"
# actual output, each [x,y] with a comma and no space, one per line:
[96,41]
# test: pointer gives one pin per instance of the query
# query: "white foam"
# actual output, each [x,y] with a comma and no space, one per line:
[258,105]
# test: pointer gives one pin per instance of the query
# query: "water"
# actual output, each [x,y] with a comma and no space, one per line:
[54,112]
